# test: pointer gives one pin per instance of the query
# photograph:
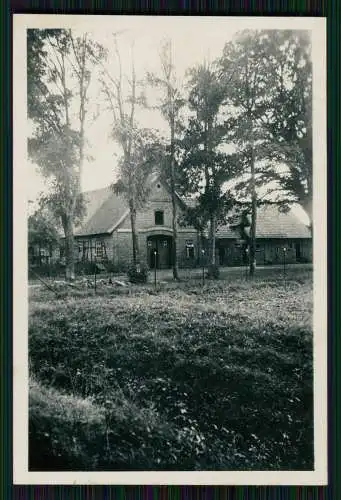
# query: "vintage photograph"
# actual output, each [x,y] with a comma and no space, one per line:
[174,245]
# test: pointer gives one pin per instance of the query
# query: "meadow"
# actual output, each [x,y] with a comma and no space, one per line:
[183,377]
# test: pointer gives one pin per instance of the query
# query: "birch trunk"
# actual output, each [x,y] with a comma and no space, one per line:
[135,240]
[253,212]
[69,247]
[174,208]
[212,241]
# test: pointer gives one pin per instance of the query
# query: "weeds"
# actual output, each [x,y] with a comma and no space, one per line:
[192,378]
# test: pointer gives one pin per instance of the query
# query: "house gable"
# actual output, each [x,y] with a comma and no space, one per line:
[108,212]
[156,214]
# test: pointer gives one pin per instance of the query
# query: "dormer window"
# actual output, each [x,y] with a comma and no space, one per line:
[158,218]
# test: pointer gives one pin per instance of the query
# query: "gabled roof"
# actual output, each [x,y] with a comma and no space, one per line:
[227,232]
[104,209]
[271,223]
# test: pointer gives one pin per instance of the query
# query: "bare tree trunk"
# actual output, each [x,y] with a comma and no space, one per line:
[135,241]
[69,247]
[308,208]
[212,243]
[253,213]
[174,208]
[175,239]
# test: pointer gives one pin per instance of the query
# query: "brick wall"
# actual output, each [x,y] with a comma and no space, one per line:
[145,218]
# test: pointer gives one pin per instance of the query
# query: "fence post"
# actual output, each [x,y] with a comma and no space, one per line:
[203,267]
[95,260]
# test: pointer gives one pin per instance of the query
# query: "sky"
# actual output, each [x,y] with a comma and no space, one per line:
[194,40]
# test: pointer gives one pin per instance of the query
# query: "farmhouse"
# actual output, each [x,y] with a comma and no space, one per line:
[105,234]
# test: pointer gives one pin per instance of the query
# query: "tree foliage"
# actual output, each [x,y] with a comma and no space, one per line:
[281,90]
[137,144]
[268,94]
[43,229]
[58,80]
[170,106]
[205,164]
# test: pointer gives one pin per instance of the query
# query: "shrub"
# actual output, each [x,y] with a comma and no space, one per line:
[116,268]
[138,274]
[50,270]
[88,267]
[213,271]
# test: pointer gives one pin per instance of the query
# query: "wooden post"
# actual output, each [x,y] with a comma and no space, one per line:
[155,253]
[203,267]
[95,259]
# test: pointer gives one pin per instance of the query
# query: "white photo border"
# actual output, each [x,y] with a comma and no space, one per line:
[21,474]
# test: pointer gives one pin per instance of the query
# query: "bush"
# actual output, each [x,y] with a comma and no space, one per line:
[138,274]
[213,272]
[47,270]
[87,267]
[118,268]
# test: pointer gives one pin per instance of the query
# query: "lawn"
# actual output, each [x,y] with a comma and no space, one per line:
[184,378]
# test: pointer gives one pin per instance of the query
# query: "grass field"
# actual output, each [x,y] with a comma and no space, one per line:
[186,378]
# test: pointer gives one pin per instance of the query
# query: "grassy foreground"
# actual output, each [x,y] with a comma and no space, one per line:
[218,378]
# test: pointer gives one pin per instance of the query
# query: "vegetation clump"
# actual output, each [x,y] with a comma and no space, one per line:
[219,379]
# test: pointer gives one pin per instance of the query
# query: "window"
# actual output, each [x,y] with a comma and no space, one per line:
[159,218]
[99,249]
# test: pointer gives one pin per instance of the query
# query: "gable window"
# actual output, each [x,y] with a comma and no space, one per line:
[158,218]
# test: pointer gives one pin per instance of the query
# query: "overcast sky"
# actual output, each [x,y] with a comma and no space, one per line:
[194,39]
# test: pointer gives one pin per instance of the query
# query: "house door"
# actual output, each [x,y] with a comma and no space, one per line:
[159,251]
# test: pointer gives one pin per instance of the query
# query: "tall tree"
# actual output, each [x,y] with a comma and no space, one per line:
[59,74]
[244,67]
[135,143]
[170,106]
[288,121]
[133,183]
[205,164]
[282,114]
